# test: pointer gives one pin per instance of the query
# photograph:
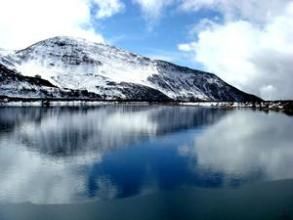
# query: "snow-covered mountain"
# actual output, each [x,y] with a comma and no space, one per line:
[66,67]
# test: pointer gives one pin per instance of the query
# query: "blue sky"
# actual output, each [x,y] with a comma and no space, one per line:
[132,31]
[249,44]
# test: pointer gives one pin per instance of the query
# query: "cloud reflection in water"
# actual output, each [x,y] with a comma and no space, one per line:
[246,144]
[66,155]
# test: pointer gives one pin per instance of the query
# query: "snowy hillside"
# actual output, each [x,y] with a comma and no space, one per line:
[68,64]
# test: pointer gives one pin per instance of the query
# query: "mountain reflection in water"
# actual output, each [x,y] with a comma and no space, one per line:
[68,155]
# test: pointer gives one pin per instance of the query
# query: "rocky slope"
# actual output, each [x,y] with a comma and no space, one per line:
[65,67]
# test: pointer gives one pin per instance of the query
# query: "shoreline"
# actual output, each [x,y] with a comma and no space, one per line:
[282,106]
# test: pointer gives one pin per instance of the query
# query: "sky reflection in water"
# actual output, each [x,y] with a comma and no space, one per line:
[67,155]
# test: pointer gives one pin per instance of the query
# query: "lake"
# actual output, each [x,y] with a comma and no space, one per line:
[145,162]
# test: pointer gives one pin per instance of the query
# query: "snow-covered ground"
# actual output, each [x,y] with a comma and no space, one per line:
[77,64]
[286,106]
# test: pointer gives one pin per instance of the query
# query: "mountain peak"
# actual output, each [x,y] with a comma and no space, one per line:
[79,64]
[69,41]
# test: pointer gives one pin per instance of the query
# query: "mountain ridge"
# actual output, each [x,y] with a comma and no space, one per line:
[75,64]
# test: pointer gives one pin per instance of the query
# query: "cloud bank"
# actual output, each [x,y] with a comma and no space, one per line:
[24,22]
[252,48]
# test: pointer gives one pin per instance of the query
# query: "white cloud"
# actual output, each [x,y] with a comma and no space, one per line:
[187,47]
[25,22]
[108,8]
[255,10]
[152,9]
[251,53]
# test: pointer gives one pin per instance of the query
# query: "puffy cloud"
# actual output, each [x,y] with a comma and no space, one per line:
[255,10]
[152,9]
[187,47]
[25,22]
[108,8]
[251,53]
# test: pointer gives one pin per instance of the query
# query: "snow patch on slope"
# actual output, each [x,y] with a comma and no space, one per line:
[60,57]
[77,64]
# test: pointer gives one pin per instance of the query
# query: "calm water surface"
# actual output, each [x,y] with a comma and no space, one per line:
[73,155]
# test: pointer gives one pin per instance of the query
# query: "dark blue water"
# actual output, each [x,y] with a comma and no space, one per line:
[72,155]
